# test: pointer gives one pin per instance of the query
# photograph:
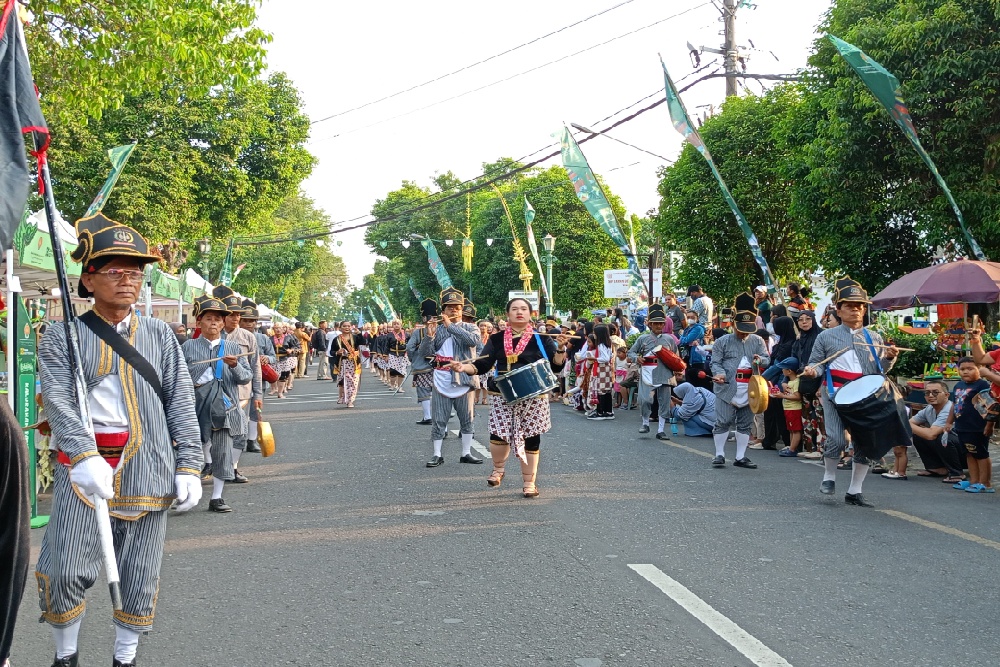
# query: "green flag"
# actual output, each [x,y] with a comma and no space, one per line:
[886,88]
[682,123]
[119,156]
[529,216]
[437,266]
[226,275]
[390,312]
[382,306]
[592,196]
[413,288]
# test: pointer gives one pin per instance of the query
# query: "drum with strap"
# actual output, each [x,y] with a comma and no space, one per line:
[872,410]
[669,359]
[527,382]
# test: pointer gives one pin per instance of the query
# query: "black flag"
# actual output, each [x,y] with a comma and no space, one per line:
[19,113]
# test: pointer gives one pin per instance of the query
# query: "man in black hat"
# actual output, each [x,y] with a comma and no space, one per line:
[655,377]
[265,346]
[146,454]
[859,352]
[733,358]
[420,365]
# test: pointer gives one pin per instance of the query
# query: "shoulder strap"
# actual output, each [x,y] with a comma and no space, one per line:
[105,332]
[871,346]
[541,347]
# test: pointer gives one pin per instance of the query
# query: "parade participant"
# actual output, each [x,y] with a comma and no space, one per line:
[365,348]
[216,391]
[733,358]
[482,396]
[420,365]
[318,345]
[654,376]
[304,339]
[248,321]
[469,317]
[517,428]
[15,542]
[604,381]
[251,396]
[850,301]
[345,350]
[397,362]
[449,341]
[147,452]
[286,348]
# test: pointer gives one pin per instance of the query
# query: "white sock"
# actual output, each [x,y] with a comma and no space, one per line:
[207,450]
[427,409]
[437,447]
[466,443]
[662,423]
[236,456]
[858,473]
[65,639]
[252,431]
[645,421]
[126,644]
[742,440]
[217,485]
[720,443]
[829,469]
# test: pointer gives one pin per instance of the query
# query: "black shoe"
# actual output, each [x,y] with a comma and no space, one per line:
[238,478]
[253,447]
[644,428]
[828,487]
[719,461]
[425,422]
[206,472]
[218,505]
[119,663]
[744,463]
[71,661]
[470,458]
[435,461]
[660,435]
[857,499]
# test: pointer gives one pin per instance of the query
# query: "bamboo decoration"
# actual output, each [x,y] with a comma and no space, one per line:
[519,254]
[467,246]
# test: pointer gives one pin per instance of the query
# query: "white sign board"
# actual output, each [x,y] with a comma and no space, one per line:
[616,282]
[530,297]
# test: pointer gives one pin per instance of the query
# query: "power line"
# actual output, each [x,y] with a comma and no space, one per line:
[512,76]
[475,64]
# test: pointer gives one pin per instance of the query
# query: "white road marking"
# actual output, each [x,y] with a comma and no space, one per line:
[755,651]
[476,446]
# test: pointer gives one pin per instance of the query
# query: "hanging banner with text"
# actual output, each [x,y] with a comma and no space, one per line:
[618,282]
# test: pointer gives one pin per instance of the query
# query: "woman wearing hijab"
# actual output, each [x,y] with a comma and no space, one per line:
[694,408]
[774,416]
[812,410]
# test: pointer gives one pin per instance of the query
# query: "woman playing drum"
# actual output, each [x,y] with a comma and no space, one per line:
[517,427]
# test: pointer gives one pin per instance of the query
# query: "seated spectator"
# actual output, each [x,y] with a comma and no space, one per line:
[939,451]
[694,408]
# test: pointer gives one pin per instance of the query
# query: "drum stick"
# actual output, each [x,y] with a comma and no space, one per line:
[827,360]
[206,361]
[886,347]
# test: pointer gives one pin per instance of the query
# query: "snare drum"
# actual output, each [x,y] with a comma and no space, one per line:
[526,382]
[872,410]
[986,405]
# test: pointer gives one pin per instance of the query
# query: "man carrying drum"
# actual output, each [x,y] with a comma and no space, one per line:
[655,377]
[842,354]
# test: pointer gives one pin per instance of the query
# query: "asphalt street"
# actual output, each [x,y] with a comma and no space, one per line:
[344,549]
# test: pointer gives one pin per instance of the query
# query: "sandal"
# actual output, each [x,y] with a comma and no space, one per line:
[530,491]
[495,477]
[928,473]
[953,479]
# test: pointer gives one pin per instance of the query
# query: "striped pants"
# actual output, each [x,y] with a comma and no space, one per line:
[728,415]
[71,560]
[441,407]
[222,452]
[646,400]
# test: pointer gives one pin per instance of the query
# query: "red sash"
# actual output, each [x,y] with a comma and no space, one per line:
[840,378]
[109,446]
[743,375]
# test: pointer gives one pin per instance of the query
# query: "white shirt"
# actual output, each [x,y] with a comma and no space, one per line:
[848,361]
[443,378]
[107,399]
[209,372]
[742,397]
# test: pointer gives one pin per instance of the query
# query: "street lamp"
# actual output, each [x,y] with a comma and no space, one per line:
[204,247]
[549,243]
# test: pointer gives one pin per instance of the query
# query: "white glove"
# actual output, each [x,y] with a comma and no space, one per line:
[188,491]
[94,477]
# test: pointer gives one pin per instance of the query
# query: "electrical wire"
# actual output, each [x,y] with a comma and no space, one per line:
[475,64]
[509,78]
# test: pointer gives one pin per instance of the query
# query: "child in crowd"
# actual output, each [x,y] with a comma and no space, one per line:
[791,402]
[971,427]
[621,372]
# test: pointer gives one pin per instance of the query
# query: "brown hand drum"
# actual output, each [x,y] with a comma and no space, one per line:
[265,438]
[669,359]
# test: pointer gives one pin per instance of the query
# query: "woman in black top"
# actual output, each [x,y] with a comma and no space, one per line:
[775,428]
[345,352]
[517,427]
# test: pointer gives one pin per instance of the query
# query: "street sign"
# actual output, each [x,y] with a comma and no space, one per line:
[616,282]
[530,297]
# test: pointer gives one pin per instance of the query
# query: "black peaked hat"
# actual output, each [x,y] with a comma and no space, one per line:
[428,309]
[226,295]
[206,303]
[746,313]
[250,311]
[656,313]
[469,310]
[848,289]
[101,239]
[452,297]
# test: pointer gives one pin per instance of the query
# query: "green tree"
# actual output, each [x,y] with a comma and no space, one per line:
[749,145]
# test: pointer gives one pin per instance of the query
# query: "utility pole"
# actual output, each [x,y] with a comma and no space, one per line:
[729,49]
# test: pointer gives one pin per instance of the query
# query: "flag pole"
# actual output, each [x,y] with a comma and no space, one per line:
[73,352]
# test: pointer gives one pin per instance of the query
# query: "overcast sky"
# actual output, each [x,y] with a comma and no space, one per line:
[343,55]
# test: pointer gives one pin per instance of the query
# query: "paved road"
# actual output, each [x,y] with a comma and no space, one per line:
[345,550]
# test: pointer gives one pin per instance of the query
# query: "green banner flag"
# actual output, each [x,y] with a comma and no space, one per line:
[119,156]
[413,288]
[592,196]
[390,312]
[529,217]
[682,123]
[226,275]
[437,266]
[886,88]
[383,308]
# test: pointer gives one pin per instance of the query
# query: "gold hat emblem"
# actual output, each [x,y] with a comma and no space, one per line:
[124,236]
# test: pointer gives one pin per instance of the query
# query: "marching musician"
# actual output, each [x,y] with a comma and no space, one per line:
[733,358]
[654,377]
[451,340]
[856,345]
[397,362]
[420,365]
[517,428]
[265,346]
[147,453]
[345,349]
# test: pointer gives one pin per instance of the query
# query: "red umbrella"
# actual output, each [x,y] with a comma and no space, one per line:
[964,281]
